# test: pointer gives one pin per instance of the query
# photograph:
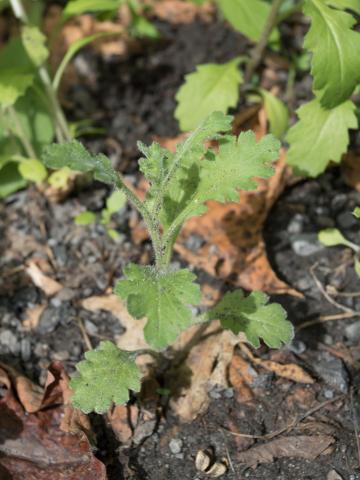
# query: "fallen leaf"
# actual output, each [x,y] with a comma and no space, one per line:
[301,446]
[350,167]
[48,285]
[333,475]
[290,371]
[122,419]
[241,376]
[201,362]
[36,446]
[32,316]
[133,338]
[177,11]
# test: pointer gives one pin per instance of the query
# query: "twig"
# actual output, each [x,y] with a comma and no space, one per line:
[324,292]
[84,334]
[231,465]
[327,318]
[356,429]
[291,425]
[258,52]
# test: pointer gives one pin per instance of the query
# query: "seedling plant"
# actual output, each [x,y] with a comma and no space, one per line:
[180,184]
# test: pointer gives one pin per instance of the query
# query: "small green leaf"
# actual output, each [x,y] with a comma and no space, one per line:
[335,68]
[277,113]
[356,212]
[33,170]
[34,42]
[60,178]
[357,267]
[141,27]
[331,237]
[13,84]
[77,7]
[253,316]
[104,377]
[113,234]
[75,156]
[85,218]
[211,88]
[115,201]
[163,298]
[319,136]
[248,17]
[10,179]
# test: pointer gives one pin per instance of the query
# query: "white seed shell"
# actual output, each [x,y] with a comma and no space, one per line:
[217,470]
[202,460]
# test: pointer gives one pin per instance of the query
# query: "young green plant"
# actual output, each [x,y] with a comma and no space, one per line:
[180,184]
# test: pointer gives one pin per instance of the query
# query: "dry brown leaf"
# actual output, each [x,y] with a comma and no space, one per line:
[122,419]
[47,284]
[35,446]
[177,11]
[350,167]
[32,316]
[133,338]
[291,371]
[302,446]
[195,375]
[241,378]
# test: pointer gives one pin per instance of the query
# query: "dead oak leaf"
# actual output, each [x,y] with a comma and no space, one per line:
[47,284]
[302,446]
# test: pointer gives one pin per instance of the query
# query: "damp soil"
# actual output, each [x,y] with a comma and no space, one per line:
[136,102]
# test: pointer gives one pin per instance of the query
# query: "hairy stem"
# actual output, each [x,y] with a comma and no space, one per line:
[149,221]
[61,126]
[258,52]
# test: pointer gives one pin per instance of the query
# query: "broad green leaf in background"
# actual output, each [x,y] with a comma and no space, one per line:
[75,156]
[77,7]
[13,84]
[319,136]
[248,17]
[210,88]
[32,170]
[277,113]
[163,298]
[10,179]
[72,51]
[34,42]
[335,65]
[353,5]
[356,212]
[253,316]
[331,237]
[85,218]
[35,120]
[104,377]
[219,176]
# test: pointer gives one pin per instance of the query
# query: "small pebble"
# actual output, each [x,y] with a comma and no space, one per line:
[90,327]
[228,392]
[306,244]
[352,331]
[328,394]
[25,348]
[297,346]
[175,445]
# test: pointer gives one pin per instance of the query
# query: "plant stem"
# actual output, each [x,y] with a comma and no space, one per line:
[149,221]
[258,52]
[30,152]
[61,126]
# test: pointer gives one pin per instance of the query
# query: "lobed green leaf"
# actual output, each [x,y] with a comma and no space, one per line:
[255,317]
[163,298]
[103,378]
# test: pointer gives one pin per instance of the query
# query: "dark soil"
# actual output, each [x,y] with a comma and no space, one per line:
[134,100]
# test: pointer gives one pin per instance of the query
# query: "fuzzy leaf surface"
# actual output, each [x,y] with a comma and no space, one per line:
[210,88]
[248,17]
[103,378]
[218,176]
[319,136]
[163,298]
[75,156]
[255,317]
[335,67]
[34,42]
